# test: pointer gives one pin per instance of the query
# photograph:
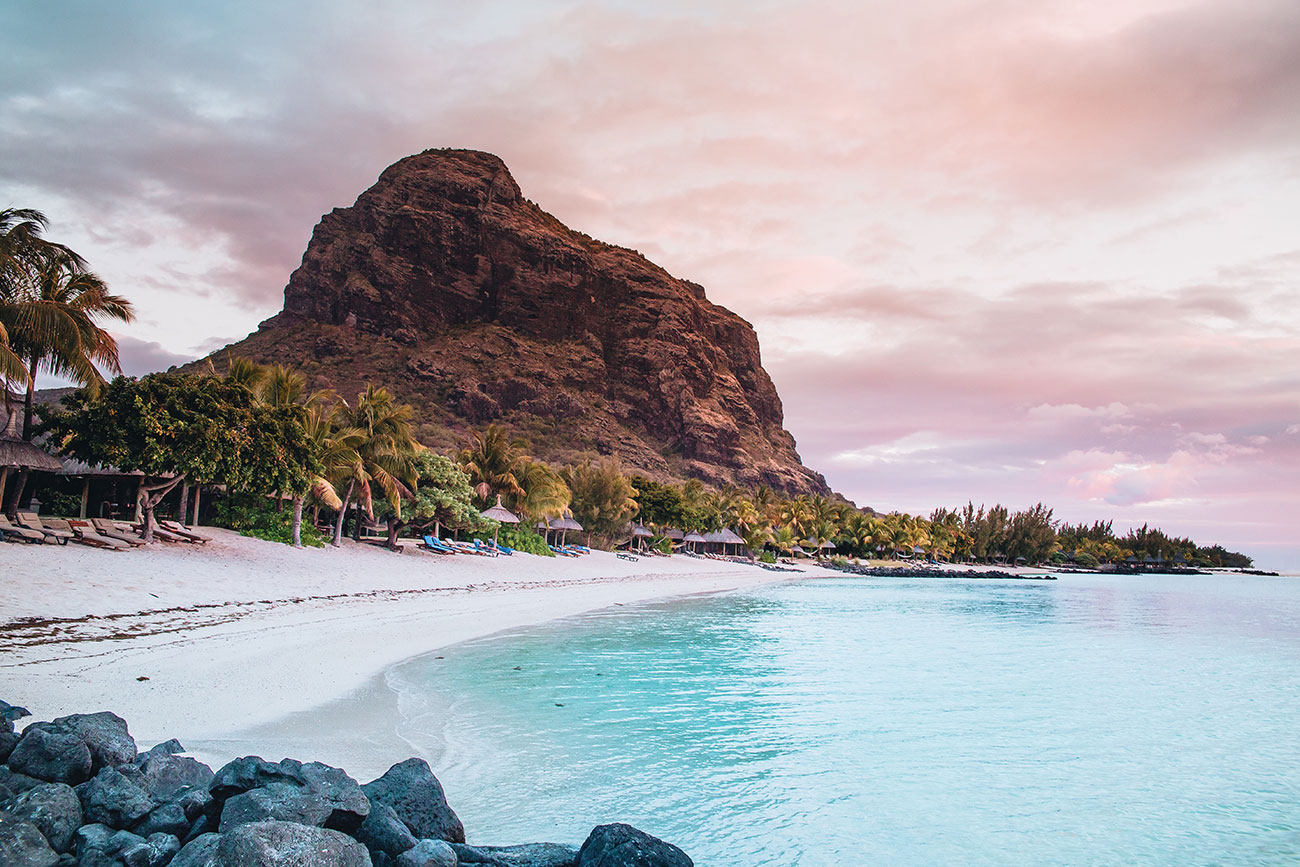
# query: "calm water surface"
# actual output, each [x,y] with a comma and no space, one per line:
[887,721]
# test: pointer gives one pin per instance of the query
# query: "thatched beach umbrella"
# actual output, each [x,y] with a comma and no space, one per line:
[501,515]
[640,531]
[694,538]
[17,453]
[673,534]
[564,525]
[726,537]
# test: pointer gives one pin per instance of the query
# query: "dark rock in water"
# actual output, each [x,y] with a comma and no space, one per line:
[157,851]
[115,800]
[347,804]
[278,801]
[167,776]
[106,736]
[51,755]
[416,796]
[427,853]
[23,845]
[8,740]
[526,855]
[199,852]
[54,809]
[285,844]
[167,819]
[383,832]
[620,845]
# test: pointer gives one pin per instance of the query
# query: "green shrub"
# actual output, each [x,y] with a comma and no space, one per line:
[1084,560]
[256,516]
[767,557]
[61,505]
[525,539]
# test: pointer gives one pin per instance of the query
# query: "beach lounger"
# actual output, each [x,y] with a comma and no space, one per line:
[499,548]
[581,549]
[160,533]
[88,535]
[188,534]
[14,533]
[563,552]
[32,521]
[110,529]
[435,545]
[625,556]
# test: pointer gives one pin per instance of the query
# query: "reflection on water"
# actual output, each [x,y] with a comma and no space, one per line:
[854,721]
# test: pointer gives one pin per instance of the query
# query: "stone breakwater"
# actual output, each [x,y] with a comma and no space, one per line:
[75,791]
[924,572]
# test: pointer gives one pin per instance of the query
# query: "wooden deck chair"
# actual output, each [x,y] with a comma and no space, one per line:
[86,533]
[32,521]
[186,533]
[14,533]
[109,529]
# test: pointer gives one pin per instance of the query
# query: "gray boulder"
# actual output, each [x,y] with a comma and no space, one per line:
[286,844]
[526,855]
[54,809]
[347,804]
[167,819]
[23,845]
[620,845]
[9,713]
[195,802]
[8,740]
[157,851]
[415,794]
[105,735]
[17,783]
[168,776]
[52,755]
[199,852]
[115,799]
[428,853]
[278,801]
[384,833]
[170,748]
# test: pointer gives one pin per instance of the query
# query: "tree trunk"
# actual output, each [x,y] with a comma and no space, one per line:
[4,480]
[30,398]
[184,510]
[356,525]
[198,492]
[394,527]
[85,496]
[297,522]
[343,510]
[150,497]
[16,494]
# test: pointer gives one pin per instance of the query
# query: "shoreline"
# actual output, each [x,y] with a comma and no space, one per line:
[243,645]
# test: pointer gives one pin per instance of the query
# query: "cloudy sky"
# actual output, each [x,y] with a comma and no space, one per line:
[1013,251]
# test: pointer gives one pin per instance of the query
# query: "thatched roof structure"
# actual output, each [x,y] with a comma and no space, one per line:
[25,456]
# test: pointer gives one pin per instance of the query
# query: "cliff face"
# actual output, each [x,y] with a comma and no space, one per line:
[475,305]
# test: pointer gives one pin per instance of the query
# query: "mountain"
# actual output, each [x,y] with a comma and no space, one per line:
[467,300]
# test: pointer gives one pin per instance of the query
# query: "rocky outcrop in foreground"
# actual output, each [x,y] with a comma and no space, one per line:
[75,791]
[448,286]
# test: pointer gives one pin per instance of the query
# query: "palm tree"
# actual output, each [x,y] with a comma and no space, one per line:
[381,456]
[496,463]
[52,313]
[544,491]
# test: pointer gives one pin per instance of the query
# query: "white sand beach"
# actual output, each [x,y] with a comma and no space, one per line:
[240,638]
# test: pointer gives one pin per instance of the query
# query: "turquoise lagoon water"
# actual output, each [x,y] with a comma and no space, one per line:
[864,721]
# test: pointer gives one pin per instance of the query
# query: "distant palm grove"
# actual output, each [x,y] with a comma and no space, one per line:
[305,468]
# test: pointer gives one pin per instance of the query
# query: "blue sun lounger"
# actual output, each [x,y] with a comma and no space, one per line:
[435,545]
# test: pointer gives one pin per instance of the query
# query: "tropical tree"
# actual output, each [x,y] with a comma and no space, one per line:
[171,427]
[440,494]
[495,463]
[603,499]
[381,457]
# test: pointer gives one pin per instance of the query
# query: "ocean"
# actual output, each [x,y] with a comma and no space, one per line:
[1089,720]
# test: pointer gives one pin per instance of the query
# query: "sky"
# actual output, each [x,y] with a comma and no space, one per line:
[1008,251]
